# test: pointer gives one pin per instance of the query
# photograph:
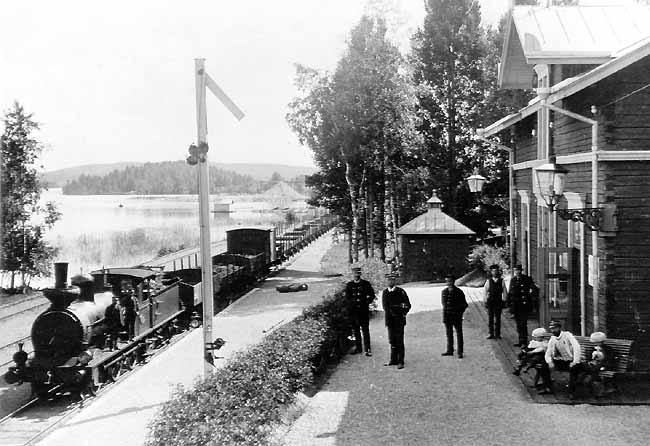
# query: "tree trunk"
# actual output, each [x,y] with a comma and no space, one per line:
[451,140]
[350,256]
[354,205]
[393,218]
[381,216]
[370,220]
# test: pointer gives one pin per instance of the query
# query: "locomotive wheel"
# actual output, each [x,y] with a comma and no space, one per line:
[129,361]
[115,370]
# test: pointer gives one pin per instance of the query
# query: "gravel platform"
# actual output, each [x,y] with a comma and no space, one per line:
[439,400]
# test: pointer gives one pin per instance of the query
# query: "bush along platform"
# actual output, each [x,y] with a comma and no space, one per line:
[243,401]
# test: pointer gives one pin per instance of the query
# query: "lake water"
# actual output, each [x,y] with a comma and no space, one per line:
[124,230]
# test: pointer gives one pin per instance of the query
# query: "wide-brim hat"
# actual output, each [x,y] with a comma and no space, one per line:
[539,332]
[597,336]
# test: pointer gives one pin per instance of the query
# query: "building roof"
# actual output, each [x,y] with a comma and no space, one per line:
[573,85]
[284,191]
[434,222]
[567,35]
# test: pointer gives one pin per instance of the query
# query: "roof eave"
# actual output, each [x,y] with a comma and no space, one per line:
[571,86]
[504,51]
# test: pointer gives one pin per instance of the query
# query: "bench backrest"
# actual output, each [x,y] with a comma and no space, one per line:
[621,349]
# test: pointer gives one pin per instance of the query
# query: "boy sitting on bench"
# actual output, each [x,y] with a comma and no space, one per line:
[533,354]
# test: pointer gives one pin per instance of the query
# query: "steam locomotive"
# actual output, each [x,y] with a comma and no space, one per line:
[76,347]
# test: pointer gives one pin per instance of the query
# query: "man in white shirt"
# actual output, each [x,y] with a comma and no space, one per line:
[564,354]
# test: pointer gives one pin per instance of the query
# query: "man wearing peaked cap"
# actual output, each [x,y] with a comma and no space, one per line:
[396,305]
[520,300]
[454,305]
[563,353]
[359,294]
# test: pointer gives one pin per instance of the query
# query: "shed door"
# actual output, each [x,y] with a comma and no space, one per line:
[559,299]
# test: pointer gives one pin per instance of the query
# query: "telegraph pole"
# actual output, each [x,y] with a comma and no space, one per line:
[199,155]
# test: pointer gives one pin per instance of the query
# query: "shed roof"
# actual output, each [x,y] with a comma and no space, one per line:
[434,222]
[567,35]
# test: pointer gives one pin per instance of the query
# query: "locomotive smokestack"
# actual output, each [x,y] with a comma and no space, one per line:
[61,295]
[60,275]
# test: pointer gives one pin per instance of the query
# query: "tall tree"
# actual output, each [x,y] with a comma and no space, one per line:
[23,220]
[356,121]
[453,59]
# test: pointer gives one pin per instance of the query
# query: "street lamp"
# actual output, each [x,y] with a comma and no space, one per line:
[476,182]
[550,178]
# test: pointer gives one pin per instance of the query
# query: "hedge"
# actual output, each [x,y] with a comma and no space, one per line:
[240,403]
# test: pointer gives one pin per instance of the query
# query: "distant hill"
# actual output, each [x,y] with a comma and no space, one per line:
[58,178]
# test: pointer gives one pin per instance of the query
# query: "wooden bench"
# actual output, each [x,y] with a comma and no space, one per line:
[618,363]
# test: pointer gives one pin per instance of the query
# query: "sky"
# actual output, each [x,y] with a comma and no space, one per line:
[113,81]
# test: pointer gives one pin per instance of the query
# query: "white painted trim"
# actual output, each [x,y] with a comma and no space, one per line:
[524,196]
[528,164]
[623,155]
[576,158]
[586,157]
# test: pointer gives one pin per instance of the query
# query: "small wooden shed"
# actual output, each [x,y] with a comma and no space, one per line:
[433,244]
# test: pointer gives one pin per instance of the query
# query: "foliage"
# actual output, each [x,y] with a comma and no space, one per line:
[240,402]
[360,122]
[169,250]
[169,177]
[482,256]
[24,220]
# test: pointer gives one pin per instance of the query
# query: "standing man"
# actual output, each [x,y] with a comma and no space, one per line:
[520,301]
[396,305]
[359,294]
[453,307]
[495,299]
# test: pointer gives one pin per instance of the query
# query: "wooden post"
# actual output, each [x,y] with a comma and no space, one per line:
[202,81]
[204,216]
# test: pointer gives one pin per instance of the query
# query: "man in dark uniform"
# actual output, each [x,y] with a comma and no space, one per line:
[359,294]
[396,305]
[453,307]
[520,301]
[495,297]
[112,322]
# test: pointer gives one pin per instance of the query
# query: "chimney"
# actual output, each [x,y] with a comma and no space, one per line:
[60,275]
[61,295]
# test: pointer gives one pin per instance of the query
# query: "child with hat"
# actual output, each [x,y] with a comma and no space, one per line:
[597,363]
[533,354]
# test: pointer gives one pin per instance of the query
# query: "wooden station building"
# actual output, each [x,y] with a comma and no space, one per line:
[590,250]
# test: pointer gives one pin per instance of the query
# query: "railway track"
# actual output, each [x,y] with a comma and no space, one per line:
[30,422]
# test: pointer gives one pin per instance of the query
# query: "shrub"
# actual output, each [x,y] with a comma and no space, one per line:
[241,402]
[482,256]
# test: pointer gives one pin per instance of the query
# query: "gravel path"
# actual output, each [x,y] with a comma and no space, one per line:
[448,401]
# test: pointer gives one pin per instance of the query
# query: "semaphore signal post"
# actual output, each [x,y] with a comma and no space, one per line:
[199,155]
